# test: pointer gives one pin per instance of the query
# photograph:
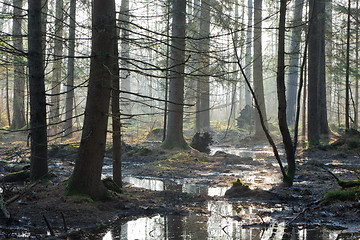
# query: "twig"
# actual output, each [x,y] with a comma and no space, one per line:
[259,215]
[225,231]
[64,221]
[17,196]
[52,233]
[28,187]
[304,210]
[297,216]
[262,120]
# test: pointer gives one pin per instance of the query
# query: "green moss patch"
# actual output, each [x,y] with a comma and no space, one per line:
[347,194]
[83,199]
[350,140]
[136,150]
[111,185]
[239,183]
[182,161]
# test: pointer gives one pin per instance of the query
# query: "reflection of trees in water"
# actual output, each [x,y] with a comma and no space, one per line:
[226,221]
[189,227]
[219,225]
[142,228]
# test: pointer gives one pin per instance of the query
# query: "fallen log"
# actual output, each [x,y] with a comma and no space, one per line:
[20,176]
[21,193]
[343,183]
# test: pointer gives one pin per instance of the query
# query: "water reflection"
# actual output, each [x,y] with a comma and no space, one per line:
[162,185]
[197,227]
[222,223]
[226,220]
[255,153]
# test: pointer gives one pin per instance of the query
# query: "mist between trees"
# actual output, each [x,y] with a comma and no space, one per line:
[174,66]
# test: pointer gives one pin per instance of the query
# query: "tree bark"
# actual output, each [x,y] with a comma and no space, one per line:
[116,123]
[196,64]
[57,66]
[248,52]
[125,56]
[44,13]
[5,5]
[166,90]
[86,177]
[356,113]
[234,82]
[7,96]
[347,80]
[280,80]
[38,165]
[323,122]
[204,80]
[293,76]
[258,68]
[313,74]
[191,96]
[174,137]
[69,101]
[18,120]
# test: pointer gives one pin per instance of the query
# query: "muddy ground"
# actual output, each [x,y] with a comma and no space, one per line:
[47,199]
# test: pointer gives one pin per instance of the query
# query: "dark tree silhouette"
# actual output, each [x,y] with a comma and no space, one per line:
[38,166]
[86,177]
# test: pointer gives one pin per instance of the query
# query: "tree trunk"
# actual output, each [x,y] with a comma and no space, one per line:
[191,82]
[44,12]
[356,113]
[125,56]
[7,96]
[174,137]
[234,82]
[258,68]
[196,64]
[280,80]
[116,124]
[323,122]
[5,6]
[86,177]
[38,165]
[57,66]
[18,120]
[347,80]
[293,76]
[167,12]
[303,133]
[204,80]
[313,74]
[69,102]
[248,52]
[329,47]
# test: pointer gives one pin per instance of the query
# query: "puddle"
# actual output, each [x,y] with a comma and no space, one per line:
[175,185]
[256,153]
[20,233]
[201,184]
[224,222]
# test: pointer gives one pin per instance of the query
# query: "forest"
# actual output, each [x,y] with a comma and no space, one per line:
[181,119]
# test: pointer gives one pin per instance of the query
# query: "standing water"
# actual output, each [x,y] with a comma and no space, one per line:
[226,219]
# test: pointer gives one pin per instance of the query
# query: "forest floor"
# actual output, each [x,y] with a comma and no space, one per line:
[36,201]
